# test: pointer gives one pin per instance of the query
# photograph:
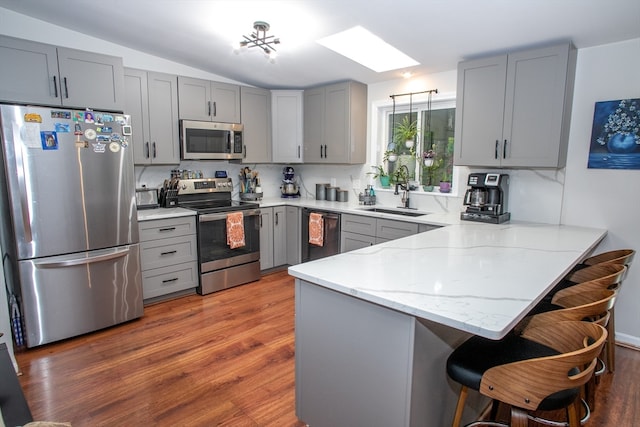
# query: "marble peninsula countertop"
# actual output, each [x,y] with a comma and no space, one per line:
[478,278]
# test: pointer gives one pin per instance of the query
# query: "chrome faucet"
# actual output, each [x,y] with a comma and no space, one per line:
[405,188]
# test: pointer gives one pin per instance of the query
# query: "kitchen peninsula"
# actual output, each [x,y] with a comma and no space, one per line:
[375,326]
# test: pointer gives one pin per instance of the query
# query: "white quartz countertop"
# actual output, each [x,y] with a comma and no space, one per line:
[163,213]
[479,278]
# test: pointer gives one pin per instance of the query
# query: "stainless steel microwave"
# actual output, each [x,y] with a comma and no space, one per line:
[201,140]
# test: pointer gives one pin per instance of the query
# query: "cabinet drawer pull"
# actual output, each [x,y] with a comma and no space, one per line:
[168,253]
[175,279]
[166,229]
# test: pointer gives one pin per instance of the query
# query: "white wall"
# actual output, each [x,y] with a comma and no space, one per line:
[573,195]
[606,198]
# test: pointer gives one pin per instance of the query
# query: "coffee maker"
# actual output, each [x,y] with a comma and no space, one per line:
[486,200]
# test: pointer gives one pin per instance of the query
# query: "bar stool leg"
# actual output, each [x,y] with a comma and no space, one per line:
[519,417]
[611,342]
[462,398]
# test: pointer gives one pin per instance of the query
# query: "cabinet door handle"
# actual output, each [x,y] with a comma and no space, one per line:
[276,218]
[147,149]
[495,153]
[167,253]
[260,221]
[215,110]
[325,151]
[154,150]
[298,151]
[244,151]
[66,88]
[55,87]
[175,279]
[504,150]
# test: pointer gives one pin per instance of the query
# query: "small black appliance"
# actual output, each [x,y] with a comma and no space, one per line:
[486,199]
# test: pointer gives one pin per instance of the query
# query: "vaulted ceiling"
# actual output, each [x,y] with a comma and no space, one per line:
[437,33]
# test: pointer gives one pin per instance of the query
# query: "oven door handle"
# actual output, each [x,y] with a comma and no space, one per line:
[223,216]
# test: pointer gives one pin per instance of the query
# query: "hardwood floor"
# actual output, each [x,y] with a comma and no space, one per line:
[225,359]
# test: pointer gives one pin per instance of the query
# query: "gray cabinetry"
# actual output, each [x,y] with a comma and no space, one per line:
[359,231]
[335,121]
[152,102]
[256,119]
[209,101]
[266,238]
[169,256]
[293,233]
[273,237]
[286,110]
[39,73]
[513,110]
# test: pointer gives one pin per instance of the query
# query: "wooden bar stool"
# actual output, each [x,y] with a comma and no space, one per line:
[602,276]
[620,256]
[542,369]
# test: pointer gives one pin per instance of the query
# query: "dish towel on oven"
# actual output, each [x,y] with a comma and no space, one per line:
[316,229]
[235,229]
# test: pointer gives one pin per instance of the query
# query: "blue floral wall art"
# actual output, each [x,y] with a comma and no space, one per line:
[615,136]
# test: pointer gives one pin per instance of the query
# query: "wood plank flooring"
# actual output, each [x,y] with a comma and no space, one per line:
[225,359]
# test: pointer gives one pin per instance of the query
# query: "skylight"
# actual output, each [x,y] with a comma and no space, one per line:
[364,47]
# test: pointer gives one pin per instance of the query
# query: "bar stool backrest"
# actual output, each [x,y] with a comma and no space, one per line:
[526,383]
[621,256]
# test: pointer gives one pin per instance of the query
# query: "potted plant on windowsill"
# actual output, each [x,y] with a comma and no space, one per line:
[382,175]
[445,182]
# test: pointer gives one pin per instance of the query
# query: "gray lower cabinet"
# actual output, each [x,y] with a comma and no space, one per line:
[293,235]
[273,237]
[44,74]
[256,119]
[169,256]
[152,101]
[513,110]
[209,101]
[360,231]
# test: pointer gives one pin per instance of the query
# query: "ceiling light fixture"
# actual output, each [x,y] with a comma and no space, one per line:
[260,39]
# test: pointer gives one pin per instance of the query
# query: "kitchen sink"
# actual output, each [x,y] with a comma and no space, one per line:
[399,211]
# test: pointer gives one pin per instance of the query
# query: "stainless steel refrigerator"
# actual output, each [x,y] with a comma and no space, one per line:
[69,225]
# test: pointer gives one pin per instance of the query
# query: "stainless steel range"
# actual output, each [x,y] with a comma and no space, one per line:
[220,266]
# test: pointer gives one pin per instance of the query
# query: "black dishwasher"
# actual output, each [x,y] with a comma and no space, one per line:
[330,239]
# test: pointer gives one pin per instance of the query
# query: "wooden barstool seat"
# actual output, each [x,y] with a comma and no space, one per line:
[542,369]
[620,256]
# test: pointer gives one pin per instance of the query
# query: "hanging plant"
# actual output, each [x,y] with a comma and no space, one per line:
[405,132]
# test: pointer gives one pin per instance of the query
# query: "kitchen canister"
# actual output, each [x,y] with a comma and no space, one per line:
[343,196]
[321,191]
[331,193]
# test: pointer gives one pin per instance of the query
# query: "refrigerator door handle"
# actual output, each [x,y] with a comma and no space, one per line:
[24,202]
[119,253]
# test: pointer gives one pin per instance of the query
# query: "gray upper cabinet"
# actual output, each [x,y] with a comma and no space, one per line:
[152,102]
[39,73]
[513,110]
[335,123]
[256,118]
[209,101]
[286,111]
